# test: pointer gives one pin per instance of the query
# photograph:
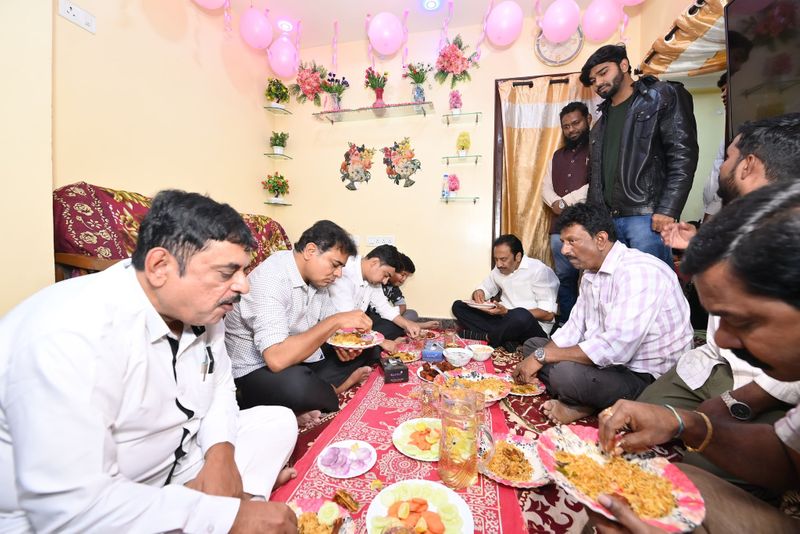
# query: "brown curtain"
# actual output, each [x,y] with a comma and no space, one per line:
[531,132]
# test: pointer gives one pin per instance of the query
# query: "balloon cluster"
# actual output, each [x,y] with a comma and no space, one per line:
[600,20]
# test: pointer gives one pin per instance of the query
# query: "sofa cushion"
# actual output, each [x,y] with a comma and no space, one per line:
[104,223]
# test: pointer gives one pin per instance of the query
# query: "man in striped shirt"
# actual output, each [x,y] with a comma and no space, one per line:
[629,325]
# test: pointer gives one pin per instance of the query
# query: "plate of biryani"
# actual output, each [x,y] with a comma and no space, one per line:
[659,492]
[515,462]
[350,338]
[321,516]
[493,387]
[527,390]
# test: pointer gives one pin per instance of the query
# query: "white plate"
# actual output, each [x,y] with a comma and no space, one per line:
[369,339]
[440,495]
[347,444]
[479,305]
[403,432]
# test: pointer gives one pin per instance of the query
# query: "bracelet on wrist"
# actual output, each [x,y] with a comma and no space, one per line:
[681,426]
[709,434]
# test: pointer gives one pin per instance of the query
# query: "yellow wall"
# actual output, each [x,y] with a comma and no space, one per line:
[25,138]
[161,97]
[710,116]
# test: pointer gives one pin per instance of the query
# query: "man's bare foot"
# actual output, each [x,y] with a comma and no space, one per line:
[308,418]
[558,412]
[429,324]
[358,376]
[286,474]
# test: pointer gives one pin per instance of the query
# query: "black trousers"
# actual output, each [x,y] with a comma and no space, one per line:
[302,387]
[517,325]
[386,327]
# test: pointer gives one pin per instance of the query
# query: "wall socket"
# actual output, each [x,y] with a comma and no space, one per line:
[375,240]
[77,15]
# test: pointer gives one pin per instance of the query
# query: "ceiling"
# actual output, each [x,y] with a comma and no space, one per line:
[317,16]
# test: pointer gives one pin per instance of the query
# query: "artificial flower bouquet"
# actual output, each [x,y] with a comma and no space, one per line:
[375,80]
[452,61]
[276,91]
[309,83]
[356,165]
[417,72]
[455,100]
[276,184]
[400,162]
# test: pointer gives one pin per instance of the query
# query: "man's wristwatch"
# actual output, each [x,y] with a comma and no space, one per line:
[562,204]
[539,355]
[738,409]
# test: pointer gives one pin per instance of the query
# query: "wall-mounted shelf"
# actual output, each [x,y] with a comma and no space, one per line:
[275,155]
[277,201]
[460,160]
[448,200]
[385,112]
[277,111]
[472,116]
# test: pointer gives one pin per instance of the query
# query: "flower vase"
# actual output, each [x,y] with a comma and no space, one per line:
[277,105]
[455,111]
[379,103]
[278,149]
[334,102]
[419,93]
[462,153]
[452,194]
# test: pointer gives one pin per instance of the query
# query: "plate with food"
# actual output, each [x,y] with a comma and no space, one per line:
[515,462]
[427,373]
[527,390]
[480,305]
[349,338]
[419,438]
[493,387]
[659,492]
[321,516]
[422,506]
[428,334]
[347,459]
[406,356]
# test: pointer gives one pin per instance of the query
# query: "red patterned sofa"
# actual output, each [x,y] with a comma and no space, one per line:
[96,227]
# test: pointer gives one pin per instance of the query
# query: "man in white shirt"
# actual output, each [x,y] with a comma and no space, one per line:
[117,408]
[277,334]
[629,325]
[361,287]
[515,302]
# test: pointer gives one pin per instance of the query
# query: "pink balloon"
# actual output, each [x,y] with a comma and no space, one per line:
[282,57]
[385,33]
[629,2]
[255,28]
[561,20]
[504,23]
[210,4]
[601,19]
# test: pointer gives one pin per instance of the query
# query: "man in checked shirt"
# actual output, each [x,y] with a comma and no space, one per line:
[629,325]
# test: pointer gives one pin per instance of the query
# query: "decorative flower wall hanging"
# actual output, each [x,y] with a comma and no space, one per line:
[400,162]
[453,62]
[309,83]
[356,165]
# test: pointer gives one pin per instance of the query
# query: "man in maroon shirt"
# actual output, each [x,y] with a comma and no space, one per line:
[567,183]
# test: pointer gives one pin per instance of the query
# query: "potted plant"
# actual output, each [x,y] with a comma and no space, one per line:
[278,142]
[455,102]
[334,87]
[277,93]
[276,184]
[376,81]
[463,144]
[417,73]
[453,185]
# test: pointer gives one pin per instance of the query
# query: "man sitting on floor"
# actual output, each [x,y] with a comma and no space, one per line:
[737,388]
[629,325]
[360,288]
[276,335]
[524,293]
[395,295]
[746,264]
[117,407]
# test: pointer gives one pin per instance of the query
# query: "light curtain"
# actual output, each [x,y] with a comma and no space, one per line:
[531,133]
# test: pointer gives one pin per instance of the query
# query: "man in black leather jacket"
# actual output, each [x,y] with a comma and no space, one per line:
[643,149]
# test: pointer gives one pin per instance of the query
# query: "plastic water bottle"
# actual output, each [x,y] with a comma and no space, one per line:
[445,185]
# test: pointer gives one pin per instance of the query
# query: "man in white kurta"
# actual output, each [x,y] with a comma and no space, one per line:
[106,411]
